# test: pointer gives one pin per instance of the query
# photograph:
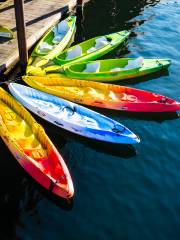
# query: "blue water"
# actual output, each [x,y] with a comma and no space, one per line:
[121,192]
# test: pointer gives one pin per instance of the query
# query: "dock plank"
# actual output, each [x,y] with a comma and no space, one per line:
[40,15]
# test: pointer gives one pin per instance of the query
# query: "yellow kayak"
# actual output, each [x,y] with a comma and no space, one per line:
[32,148]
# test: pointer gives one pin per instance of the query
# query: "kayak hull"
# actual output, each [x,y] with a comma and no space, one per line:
[104,95]
[24,146]
[72,117]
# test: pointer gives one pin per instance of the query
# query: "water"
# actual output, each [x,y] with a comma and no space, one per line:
[121,192]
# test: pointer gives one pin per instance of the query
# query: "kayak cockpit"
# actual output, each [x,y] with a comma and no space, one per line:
[81,49]
[55,36]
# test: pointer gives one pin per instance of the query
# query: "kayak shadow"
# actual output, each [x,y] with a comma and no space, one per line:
[33,193]
[158,117]
[4,40]
[148,116]
[114,149]
[65,204]
[117,150]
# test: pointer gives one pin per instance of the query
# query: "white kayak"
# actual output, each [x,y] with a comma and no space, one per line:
[72,117]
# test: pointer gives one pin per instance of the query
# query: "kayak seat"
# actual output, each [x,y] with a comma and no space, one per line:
[99,43]
[45,47]
[116,69]
[36,153]
[60,31]
[63,27]
[137,63]
[74,52]
[95,93]
[132,64]
[92,67]
[58,38]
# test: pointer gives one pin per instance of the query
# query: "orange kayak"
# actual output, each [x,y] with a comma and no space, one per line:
[32,148]
[103,95]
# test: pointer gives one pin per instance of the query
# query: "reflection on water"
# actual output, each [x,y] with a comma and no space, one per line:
[121,192]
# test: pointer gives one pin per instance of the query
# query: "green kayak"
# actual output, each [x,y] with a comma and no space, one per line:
[56,39]
[104,70]
[113,69]
[91,49]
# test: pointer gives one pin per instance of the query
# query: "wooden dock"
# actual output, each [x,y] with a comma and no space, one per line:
[39,16]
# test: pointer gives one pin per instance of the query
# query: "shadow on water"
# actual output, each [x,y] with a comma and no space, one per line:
[11,179]
[151,116]
[3,40]
[118,150]
[65,204]
[118,14]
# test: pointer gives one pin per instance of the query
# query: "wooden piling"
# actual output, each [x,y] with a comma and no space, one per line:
[79,7]
[21,33]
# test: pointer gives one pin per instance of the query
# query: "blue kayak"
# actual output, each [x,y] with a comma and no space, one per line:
[72,117]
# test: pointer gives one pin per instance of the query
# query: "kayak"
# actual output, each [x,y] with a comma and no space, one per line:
[105,70]
[104,95]
[112,69]
[91,49]
[32,148]
[54,41]
[5,32]
[72,117]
